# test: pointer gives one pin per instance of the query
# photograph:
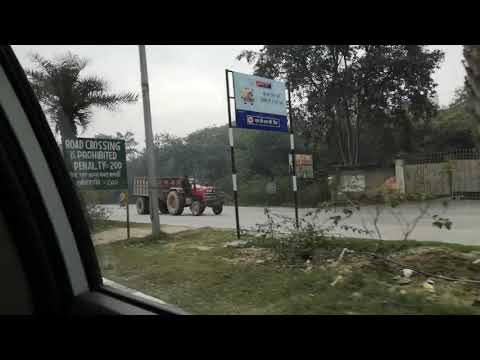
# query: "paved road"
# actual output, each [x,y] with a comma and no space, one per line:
[464,214]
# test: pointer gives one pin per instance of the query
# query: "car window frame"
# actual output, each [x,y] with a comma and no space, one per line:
[88,294]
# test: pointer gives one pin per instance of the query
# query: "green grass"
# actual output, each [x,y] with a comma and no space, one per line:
[229,281]
[103,225]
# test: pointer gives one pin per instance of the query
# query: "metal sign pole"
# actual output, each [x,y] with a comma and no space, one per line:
[292,152]
[232,154]
[128,216]
[152,184]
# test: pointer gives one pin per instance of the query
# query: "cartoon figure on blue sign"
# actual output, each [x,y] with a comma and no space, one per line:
[247,96]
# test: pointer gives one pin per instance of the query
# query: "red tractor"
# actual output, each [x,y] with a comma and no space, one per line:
[176,193]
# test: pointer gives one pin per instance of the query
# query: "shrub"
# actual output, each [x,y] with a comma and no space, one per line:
[293,244]
[94,213]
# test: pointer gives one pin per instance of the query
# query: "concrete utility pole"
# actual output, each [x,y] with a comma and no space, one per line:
[147,116]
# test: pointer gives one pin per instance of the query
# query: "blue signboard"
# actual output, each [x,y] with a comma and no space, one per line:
[260,103]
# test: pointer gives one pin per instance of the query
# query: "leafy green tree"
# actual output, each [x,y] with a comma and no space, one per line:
[472,81]
[265,155]
[171,154]
[452,128]
[354,97]
[68,97]
[210,152]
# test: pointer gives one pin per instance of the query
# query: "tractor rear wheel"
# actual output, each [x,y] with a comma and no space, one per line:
[143,206]
[217,210]
[197,208]
[175,203]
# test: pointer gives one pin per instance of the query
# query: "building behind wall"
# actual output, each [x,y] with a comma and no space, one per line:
[453,174]
[360,180]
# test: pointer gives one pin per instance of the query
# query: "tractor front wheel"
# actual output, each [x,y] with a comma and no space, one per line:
[197,208]
[217,210]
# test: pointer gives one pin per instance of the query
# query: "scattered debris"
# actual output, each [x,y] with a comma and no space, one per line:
[357,295]
[201,248]
[476,262]
[341,256]
[407,273]
[345,270]
[337,279]
[432,254]
[250,255]
[403,292]
[428,286]
[309,266]
[236,243]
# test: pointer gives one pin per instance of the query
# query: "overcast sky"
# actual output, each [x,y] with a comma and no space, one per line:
[187,82]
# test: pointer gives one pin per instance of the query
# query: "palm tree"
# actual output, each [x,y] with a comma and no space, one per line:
[472,67]
[67,97]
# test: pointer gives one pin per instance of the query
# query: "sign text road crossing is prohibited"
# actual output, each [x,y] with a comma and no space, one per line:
[98,164]
[260,103]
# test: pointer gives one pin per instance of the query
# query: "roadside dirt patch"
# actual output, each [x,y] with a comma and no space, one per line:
[113,235]
[251,256]
[119,234]
[439,261]
[173,229]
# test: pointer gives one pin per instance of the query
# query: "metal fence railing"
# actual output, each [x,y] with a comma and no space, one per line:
[453,173]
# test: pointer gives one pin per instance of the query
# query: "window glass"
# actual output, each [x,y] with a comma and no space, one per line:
[307,179]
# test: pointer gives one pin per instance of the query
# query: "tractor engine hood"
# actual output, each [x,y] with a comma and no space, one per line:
[204,188]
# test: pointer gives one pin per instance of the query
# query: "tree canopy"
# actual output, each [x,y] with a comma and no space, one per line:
[472,81]
[454,127]
[355,97]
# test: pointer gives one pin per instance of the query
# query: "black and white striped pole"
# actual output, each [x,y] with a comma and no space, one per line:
[232,153]
[292,156]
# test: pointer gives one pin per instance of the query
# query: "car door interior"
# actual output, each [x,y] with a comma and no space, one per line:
[18,298]
[47,256]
